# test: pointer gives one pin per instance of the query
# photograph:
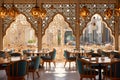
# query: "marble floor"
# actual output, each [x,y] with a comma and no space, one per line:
[52,73]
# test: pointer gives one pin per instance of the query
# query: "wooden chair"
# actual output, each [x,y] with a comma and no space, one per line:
[3,55]
[112,71]
[85,70]
[34,66]
[26,52]
[68,58]
[17,70]
[50,58]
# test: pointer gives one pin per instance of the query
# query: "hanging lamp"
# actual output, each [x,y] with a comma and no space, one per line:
[3,11]
[84,12]
[117,11]
[35,11]
[108,13]
[13,11]
[43,12]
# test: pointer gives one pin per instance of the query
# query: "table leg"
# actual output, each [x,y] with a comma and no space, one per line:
[99,72]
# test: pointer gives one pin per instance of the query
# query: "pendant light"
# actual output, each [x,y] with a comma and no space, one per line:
[3,11]
[35,11]
[43,12]
[108,12]
[84,12]
[13,11]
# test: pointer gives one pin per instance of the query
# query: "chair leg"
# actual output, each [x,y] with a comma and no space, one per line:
[33,75]
[27,75]
[38,74]
[69,64]
[81,78]
[65,63]
[42,63]
[49,64]
[91,78]
[54,63]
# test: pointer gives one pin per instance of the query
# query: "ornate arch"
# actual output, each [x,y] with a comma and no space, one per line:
[52,20]
[14,20]
[25,10]
[67,10]
[104,21]
[99,9]
[98,28]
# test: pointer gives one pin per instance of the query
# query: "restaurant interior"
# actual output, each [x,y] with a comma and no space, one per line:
[59,39]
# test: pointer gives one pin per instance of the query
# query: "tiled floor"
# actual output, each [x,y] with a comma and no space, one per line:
[52,73]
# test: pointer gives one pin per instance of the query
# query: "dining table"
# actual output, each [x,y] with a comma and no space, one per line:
[100,61]
[13,59]
[38,53]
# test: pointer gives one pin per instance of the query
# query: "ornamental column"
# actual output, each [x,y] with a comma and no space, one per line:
[77,28]
[39,34]
[1,34]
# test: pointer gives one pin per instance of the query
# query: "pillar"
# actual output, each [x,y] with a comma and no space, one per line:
[1,35]
[39,34]
[77,28]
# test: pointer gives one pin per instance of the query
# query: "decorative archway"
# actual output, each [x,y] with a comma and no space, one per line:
[20,34]
[97,32]
[57,24]
[55,35]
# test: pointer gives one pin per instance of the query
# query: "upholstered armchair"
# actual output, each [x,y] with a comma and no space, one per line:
[85,70]
[34,66]
[112,71]
[17,70]
[50,58]
[69,58]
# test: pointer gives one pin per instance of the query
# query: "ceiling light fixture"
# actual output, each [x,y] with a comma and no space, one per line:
[35,11]
[3,11]
[13,11]
[84,12]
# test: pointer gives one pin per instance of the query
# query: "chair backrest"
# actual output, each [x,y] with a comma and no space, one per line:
[26,52]
[79,66]
[2,54]
[35,63]
[17,69]
[99,51]
[54,54]
[66,54]
[116,70]
[15,54]
[10,52]
[116,54]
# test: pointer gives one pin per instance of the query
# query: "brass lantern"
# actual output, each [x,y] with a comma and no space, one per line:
[84,12]
[13,11]
[35,11]
[117,11]
[3,11]
[108,13]
[43,13]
